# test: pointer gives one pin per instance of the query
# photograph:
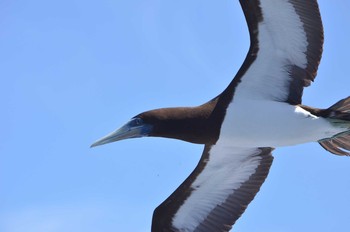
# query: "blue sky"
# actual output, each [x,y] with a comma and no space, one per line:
[72,71]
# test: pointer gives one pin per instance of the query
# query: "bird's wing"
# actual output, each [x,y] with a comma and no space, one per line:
[217,192]
[285,50]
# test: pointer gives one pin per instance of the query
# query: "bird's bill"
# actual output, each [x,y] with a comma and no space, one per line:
[135,128]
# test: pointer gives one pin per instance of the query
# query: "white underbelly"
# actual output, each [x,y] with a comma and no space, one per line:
[251,123]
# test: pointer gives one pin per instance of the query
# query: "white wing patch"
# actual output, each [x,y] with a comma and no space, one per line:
[283,29]
[282,43]
[227,169]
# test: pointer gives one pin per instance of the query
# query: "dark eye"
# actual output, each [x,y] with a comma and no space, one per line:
[137,122]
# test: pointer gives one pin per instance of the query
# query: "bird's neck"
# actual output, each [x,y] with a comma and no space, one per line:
[191,124]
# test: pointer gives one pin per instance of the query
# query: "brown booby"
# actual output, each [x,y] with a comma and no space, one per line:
[260,110]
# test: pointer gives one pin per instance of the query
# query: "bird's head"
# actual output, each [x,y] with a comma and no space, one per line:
[191,124]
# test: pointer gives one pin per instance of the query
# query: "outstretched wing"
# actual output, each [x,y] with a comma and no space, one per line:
[285,51]
[217,192]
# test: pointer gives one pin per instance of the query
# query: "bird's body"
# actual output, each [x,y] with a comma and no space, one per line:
[261,109]
[273,124]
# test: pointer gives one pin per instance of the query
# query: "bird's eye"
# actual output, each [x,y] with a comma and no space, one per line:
[137,122]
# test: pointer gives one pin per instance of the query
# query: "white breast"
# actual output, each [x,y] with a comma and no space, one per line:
[260,123]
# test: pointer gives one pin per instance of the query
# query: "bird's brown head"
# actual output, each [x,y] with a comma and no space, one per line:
[191,124]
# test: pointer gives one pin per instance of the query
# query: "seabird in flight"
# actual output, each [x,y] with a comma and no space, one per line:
[259,110]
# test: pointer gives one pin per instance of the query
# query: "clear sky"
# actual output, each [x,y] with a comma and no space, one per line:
[72,71]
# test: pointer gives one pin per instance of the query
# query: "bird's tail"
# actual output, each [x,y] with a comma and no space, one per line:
[339,113]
